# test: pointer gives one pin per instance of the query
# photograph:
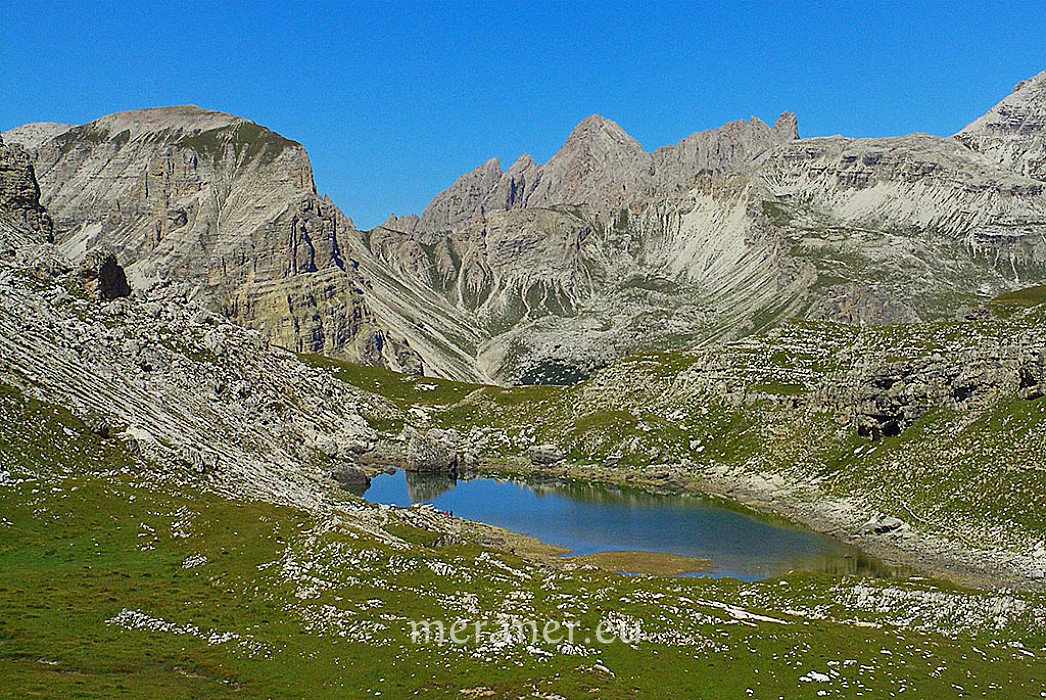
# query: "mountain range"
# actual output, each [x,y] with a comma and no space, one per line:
[545,272]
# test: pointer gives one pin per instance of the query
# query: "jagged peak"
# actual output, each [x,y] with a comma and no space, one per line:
[486,174]
[757,123]
[522,163]
[1028,96]
[786,127]
[598,129]
[1036,81]
[404,224]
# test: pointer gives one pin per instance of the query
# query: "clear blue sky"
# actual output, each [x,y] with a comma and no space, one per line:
[394,100]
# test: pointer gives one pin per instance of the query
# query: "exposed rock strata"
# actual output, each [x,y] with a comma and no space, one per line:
[546,272]
[1013,132]
[20,193]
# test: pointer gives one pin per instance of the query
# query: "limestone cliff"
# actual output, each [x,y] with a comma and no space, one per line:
[183,193]
[608,250]
[545,272]
[20,193]
[1013,132]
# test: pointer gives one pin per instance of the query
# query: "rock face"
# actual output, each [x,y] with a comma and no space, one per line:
[102,277]
[185,194]
[433,451]
[20,193]
[1013,132]
[546,272]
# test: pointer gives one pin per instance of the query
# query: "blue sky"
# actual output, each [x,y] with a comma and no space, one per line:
[394,100]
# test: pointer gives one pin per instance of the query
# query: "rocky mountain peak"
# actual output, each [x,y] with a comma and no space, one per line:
[786,128]
[458,203]
[1013,132]
[598,134]
[184,118]
[1036,82]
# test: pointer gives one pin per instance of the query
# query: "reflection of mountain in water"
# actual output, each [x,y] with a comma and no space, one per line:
[609,494]
[590,518]
[424,488]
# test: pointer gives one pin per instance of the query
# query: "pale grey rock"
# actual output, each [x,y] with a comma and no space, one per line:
[20,193]
[546,454]
[882,525]
[1013,132]
[186,194]
[463,200]
[607,250]
[433,451]
[32,136]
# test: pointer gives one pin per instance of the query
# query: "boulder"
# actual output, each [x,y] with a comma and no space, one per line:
[350,476]
[433,451]
[102,277]
[547,454]
[881,525]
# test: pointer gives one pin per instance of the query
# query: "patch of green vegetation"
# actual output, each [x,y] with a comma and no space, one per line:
[778,213]
[777,389]
[249,141]
[1009,303]
[87,134]
[117,579]
[405,390]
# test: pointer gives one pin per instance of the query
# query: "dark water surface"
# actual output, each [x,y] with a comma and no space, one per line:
[591,518]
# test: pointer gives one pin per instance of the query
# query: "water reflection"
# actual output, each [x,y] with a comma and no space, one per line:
[425,488]
[590,518]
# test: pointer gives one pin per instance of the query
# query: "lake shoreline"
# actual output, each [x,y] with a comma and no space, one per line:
[911,547]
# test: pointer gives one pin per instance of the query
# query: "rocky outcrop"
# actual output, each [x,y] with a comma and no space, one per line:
[884,401]
[545,455]
[20,193]
[1013,132]
[456,205]
[102,277]
[186,194]
[433,451]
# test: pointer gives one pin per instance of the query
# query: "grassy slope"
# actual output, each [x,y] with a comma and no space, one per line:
[973,476]
[91,534]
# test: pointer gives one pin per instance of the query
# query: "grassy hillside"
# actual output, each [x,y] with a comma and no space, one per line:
[120,581]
